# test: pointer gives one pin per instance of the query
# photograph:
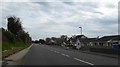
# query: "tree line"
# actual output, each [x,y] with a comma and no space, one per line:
[15,32]
[63,39]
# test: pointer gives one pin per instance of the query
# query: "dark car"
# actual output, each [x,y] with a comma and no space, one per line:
[116,45]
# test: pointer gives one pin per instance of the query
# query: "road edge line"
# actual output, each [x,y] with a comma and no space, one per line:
[83,61]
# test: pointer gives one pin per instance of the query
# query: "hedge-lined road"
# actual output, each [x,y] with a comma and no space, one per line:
[47,55]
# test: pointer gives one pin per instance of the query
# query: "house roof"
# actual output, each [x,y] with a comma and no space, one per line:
[88,39]
[107,38]
[73,39]
[91,39]
[116,38]
[104,38]
[80,36]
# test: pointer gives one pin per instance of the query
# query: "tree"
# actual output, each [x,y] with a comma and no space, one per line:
[36,41]
[58,41]
[48,40]
[64,38]
[24,36]
[14,25]
[53,38]
[41,41]
[7,35]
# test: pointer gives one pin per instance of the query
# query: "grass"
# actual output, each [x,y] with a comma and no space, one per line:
[7,46]
[11,48]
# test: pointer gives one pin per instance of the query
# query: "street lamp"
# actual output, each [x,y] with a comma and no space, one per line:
[81,30]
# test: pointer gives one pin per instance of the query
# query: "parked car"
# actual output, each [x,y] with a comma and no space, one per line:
[116,45]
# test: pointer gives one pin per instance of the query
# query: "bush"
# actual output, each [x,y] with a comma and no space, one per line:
[8,36]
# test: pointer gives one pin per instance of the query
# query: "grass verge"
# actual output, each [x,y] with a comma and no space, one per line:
[8,46]
[12,48]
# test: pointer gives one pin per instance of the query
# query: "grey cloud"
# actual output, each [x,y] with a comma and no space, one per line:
[106,20]
[51,0]
[111,6]
[84,4]
[69,3]
[90,4]
[56,18]
[96,12]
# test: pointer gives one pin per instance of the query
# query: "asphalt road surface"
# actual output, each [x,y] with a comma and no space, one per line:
[55,55]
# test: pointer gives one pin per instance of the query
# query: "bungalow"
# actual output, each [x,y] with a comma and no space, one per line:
[106,40]
[83,41]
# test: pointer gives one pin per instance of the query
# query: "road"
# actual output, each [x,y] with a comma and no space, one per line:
[50,55]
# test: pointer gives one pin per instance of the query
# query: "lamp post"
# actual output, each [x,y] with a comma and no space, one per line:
[81,30]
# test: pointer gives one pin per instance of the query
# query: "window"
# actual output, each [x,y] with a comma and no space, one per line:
[95,43]
[101,44]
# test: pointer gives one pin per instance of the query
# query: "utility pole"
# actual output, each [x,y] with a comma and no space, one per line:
[81,30]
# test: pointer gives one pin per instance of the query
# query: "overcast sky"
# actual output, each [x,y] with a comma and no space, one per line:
[47,18]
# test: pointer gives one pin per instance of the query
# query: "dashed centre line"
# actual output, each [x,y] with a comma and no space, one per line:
[73,58]
[56,52]
[83,61]
[65,55]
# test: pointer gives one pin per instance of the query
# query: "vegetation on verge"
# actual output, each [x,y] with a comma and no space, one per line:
[14,36]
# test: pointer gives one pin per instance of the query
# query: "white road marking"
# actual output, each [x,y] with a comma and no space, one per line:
[83,61]
[65,55]
[56,52]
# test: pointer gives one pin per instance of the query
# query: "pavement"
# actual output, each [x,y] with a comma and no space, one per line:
[50,55]
[15,59]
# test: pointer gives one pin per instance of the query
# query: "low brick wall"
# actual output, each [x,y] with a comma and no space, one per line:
[105,50]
